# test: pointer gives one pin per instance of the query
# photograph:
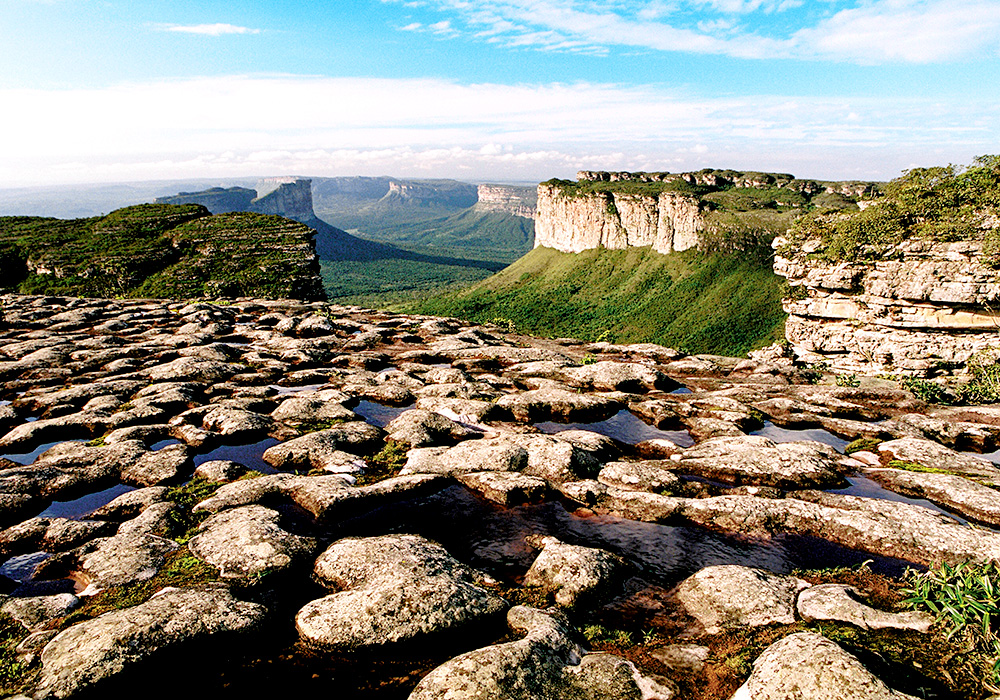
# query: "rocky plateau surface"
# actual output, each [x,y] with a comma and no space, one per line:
[279,496]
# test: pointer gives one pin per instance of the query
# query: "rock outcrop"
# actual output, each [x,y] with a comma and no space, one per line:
[449,464]
[571,223]
[507,199]
[926,305]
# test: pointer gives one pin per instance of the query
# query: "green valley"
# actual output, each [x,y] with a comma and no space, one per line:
[713,302]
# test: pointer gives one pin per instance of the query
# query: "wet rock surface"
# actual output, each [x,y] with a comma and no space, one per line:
[187,462]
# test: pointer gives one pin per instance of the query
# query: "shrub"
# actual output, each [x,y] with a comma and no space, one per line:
[848,380]
[925,390]
[985,384]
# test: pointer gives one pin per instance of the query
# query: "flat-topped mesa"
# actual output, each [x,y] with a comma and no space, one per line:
[928,306]
[290,197]
[667,221]
[284,196]
[670,211]
[507,199]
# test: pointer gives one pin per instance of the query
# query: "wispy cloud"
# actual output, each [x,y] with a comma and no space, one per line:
[218,29]
[241,125]
[858,31]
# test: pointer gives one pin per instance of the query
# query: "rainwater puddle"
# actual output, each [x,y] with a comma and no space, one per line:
[988,456]
[22,567]
[164,443]
[4,402]
[379,414]
[285,390]
[492,538]
[681,390]
[25,458]
[249,455]
[625,427]
[85,505]
[867,488]
[777,434]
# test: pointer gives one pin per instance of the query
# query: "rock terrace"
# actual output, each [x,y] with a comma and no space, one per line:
[292,478]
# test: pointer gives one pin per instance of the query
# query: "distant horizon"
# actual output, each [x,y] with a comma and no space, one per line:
[498,90]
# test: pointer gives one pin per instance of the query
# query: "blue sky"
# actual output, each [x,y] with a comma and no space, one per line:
[492,89]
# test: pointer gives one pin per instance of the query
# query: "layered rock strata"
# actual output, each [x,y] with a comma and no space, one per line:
[507,199]
[930,304]
[571,223]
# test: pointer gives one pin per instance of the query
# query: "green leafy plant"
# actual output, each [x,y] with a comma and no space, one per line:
[925,390]
[963,597]
[848,380]
[984,387]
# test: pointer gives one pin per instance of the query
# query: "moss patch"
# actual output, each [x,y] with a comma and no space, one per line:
[14,674]
[183,521]
[863,445]
[386,464]
[182,570]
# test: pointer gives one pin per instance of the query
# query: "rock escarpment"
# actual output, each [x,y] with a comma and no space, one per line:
[927,305]
[667,221]
[507,199]
[290,197]
[671,211]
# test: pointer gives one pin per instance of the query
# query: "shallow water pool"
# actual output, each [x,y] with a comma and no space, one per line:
[625,427]
[779,434]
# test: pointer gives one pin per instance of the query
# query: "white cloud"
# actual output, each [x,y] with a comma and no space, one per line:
[243,125]
[915,31]
[208,29]
[869,31]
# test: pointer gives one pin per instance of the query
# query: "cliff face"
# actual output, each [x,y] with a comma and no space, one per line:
[280,196]
[932,304]
[217,200]
[572,223]
[288,197]
[507,199]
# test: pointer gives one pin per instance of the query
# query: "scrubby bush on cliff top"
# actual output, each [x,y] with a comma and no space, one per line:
[945,203]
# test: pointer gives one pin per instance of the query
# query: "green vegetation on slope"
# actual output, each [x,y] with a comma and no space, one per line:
[377,283]
[160,250]
[701,302]
[948,203]
[484,235]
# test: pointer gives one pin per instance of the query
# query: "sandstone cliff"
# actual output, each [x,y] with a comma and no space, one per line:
[930,304]
[575,222]
[507,199]
[676,211]
[288,197]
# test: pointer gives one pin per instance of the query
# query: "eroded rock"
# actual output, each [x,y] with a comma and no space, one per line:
[393,589]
